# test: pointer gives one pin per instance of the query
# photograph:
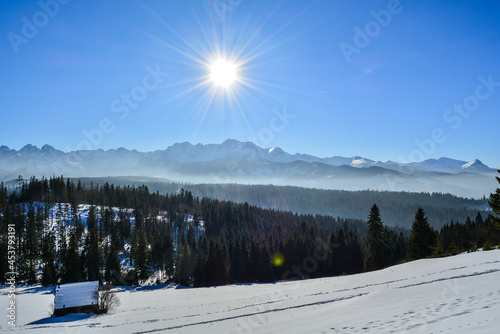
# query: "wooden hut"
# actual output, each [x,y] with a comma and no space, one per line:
[79,297]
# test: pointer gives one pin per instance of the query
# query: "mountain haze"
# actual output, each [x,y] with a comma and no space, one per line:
[244,162]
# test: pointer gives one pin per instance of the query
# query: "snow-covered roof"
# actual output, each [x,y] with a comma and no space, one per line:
[76,294]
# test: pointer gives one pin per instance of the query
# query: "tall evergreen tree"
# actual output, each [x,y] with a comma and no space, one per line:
[377,252]
[218,263]
[186,262]
[139,253]
[31,246]
[494,203]
[71,271]
[200,272]
[113,267]
[423,239]
[61,242]
[339,253]
[19,219]
[92,251]
[354,262]
[49,272]
[124,226]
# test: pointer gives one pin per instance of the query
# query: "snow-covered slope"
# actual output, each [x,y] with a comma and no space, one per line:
[447,165]
[457,294]
[475,166]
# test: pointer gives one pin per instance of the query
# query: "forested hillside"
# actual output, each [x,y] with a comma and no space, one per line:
[58,231]
[182,238]
[398,207]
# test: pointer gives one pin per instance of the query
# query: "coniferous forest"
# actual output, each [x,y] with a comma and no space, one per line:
[59,231]
[398,207]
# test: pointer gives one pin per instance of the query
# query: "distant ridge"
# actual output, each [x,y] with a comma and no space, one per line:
[244,162]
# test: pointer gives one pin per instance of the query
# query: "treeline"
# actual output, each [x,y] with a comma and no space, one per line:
[425,241]
[456,238]
[398,207]
[124,235]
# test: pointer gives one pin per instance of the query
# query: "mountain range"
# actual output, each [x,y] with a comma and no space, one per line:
[244,162]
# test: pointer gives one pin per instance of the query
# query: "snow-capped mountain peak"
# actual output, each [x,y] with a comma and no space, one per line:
[475,166]
[361,162]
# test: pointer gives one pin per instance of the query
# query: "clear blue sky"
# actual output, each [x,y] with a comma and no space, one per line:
[68,69]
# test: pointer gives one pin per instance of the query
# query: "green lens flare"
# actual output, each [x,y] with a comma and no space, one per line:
[277,259]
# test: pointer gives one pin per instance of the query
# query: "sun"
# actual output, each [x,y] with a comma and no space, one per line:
[223,73]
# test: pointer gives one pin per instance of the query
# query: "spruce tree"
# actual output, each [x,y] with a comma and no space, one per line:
[185,265]
[92,251]
[139,253]
[494,203]
[61,243]
[31,246]
[218,263]
[124,227]
[19,219]
[201,268]
[339,253]
[113,267]
[71,271]
[354,261]
[49,272]
[377,253]
[422,240]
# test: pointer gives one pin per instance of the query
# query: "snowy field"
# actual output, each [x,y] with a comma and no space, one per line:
[459,294]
